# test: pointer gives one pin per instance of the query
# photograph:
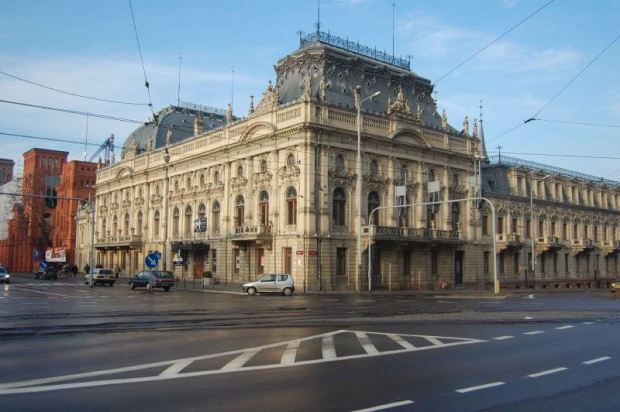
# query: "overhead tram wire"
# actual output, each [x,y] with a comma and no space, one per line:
[493,42]
[51,139]
[70,93]
[578,123]
[146,82]
[533,118]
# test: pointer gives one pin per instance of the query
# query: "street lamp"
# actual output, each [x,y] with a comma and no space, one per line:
[533,262]
[166,184]
[358,104]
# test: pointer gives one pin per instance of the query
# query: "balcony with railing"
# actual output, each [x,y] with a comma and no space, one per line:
[506,241]
[410,234]
[120,241]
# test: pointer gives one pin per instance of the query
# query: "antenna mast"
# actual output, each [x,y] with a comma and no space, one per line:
[318,21]
[86,141]
[232,85]
[179,87]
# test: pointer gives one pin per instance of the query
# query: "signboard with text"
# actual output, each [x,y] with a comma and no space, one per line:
[56,254]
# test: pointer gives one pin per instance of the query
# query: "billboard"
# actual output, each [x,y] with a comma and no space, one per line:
[56,254]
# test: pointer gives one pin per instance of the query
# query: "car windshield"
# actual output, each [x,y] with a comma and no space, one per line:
[269,277]
[3,270]
[160,274]
[104,271]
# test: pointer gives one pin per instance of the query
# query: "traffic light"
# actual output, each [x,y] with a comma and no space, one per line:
[51,198]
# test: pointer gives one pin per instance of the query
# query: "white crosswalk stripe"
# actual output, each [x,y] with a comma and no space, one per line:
[370,343]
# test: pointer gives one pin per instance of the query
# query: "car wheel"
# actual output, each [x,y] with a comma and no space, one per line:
[167,288]
[252,291]
[111,283]
[287,292]
[149,287]
[132,285]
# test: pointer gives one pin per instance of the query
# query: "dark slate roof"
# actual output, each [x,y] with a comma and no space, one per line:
[343,70]
[180,120]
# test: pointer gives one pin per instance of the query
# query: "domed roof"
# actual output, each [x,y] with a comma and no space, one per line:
[179,120]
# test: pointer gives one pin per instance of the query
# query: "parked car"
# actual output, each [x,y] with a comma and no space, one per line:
[4,275]
[152,279]
[271,283]
[46,274]
[615,285]
[102,276]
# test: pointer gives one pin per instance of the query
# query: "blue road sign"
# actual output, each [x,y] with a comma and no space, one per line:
[42,264]
[158,255]
[36,254]
[151,260]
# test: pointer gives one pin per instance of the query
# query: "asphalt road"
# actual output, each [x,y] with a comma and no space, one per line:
[66,346]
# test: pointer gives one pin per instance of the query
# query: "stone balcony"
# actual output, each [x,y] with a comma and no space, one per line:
[261,234]
[504,241]
[409,234]
[119,242]
[581,245]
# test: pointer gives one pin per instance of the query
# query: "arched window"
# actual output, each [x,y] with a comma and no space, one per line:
[240,171]
[216,178]
[374,201]
[202,180]
[456,216]
[115,226]
[431,175]
[188,185]
[202,211]
[103,228]
[188,219]
[139,226]
[291,206]
[157,190]
[455,180]
[263,203]
[264,166]
[403,174]
[176,186]
[156,224]
[215,217]
[374,168]
[175,222]
[126,225]
[240,210]
[431,216]
[339,207]
[403,213]
[290,160]
[339,163]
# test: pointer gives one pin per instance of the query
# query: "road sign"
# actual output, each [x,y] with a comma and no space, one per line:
[36,254]
[42,264]
[151,260]
[158,255]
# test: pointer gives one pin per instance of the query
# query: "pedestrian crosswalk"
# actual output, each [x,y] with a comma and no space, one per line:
[328,347]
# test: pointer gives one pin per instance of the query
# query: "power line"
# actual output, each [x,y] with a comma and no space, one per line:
[578,123]
[70,93]
[491,43]
[51,139]
[146,82]
[56,109]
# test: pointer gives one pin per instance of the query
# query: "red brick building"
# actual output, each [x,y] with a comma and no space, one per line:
[34,225]
[6,170]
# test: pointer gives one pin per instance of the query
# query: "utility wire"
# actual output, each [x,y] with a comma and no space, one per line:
[51,139]
[578,123]
[69,93]
[494,41]
[146,82]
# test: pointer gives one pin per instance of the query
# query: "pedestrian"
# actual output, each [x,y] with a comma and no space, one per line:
[117,271]
[86,269]
[74,270]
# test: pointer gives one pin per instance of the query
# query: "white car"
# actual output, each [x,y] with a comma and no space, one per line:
[271,283]
[4,275]
[101,276]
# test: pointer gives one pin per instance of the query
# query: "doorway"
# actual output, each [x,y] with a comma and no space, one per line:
[458,267]
[199,258]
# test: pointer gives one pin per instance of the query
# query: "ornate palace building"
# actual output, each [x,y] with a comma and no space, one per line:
[278,190]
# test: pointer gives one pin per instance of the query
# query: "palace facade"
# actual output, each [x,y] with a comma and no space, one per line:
[278,190]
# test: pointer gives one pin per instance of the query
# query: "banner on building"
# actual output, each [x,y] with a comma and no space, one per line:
[56,254]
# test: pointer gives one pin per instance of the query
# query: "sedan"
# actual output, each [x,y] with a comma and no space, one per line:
[102,276]
[615,285]
[271,283]
[4,275]
[46,274]
[152,279]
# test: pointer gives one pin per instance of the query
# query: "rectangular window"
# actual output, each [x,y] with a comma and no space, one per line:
[541,226]
[528,228]
[542,263]
[291,211]
[514,228]
[406,262]
[214,260]
[485,225]
[487,256]
[578,264]
[566,262]
[434,262]
[260,261]
[500,225]
[552,228]
[236,260]
[287,254]
[575,232]
[555,263]
[564,231]
[502,266]
[341,261]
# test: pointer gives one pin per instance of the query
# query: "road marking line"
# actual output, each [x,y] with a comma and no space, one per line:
[588,323]
[536,332]
[288,358]
[386,406]
[366,343]
[240,360]
[503,337]
[434,341]
[401,341]
[597,360]
[176,368]
[548,372]
[329,350]
[476,388]
[565,327]
[38,291]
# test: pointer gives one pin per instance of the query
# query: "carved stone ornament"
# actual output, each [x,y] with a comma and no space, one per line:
[444,120]
[323,89]
[238,181]
[289,173]
[400,105]
[270,100]
[307,96]
[156,199]
[261,179]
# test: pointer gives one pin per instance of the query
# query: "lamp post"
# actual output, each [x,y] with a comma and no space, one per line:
[166,184]
[91,254]
[533,262]
[358,104]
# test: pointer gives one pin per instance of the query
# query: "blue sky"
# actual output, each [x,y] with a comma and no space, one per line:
[89,48]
